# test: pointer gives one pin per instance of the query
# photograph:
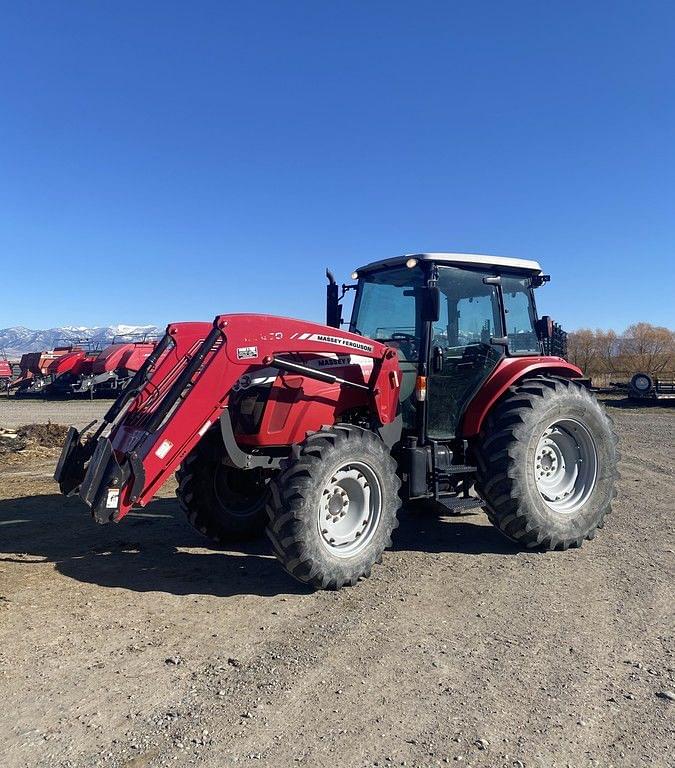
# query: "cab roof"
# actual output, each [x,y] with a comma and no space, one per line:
[459,259]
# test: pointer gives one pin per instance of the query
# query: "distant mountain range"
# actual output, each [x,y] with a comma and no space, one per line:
[15,341]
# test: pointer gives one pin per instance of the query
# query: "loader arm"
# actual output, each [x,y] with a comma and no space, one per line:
[184,388]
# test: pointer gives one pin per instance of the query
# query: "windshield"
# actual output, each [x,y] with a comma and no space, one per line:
[386,310]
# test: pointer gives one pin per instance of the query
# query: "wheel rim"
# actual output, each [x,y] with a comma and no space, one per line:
[241,496]
[349,509]
[641,382]
[566,465]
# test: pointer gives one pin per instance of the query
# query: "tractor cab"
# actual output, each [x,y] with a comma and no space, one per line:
[451,318]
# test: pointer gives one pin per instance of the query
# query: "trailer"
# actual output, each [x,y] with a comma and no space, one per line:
[644,387]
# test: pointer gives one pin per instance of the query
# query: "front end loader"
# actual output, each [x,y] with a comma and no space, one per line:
[438,394]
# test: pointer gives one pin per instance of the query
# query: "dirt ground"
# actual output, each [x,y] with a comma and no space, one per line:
[138,645]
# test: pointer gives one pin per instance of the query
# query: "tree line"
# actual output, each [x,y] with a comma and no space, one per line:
[616,356]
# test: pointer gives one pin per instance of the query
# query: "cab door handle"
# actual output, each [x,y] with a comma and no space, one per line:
[437,360]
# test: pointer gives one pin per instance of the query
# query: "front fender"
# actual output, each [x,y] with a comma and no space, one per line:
[508,372]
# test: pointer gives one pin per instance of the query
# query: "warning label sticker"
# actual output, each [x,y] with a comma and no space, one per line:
[113,498]
[246,353]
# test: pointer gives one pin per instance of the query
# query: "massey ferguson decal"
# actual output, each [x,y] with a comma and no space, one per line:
[330,362]
[340,361]
[339,340]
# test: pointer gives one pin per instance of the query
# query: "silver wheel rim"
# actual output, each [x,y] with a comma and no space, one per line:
[566,466]
[350,508]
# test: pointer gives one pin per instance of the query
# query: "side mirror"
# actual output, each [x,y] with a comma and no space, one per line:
[333,306]
[544,328]
[431,304]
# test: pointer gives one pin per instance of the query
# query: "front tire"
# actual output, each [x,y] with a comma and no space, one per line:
[547,464]
[223,503]
[333,507]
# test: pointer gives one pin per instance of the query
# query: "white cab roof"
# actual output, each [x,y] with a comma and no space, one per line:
[458,259]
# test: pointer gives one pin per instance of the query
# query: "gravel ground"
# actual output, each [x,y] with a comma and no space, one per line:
[14,412]
[138,645]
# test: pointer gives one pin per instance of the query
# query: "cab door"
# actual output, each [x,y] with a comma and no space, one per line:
[462,354]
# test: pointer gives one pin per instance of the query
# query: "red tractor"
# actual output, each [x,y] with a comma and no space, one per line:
[439,392]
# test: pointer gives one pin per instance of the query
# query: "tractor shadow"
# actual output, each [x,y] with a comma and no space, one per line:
[466,534]
[156,550]
[151,550]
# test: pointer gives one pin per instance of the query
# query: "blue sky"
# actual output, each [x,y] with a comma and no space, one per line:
[162,161]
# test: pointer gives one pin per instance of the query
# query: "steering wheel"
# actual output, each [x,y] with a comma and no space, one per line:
[407,343]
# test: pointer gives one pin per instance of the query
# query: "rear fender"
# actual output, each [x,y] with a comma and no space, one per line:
[509,371]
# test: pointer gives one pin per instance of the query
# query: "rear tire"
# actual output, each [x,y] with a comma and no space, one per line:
[547,464]
[223,503]
[333,507]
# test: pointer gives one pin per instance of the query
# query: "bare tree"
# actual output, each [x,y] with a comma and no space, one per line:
[607,346]
[582,349]
[641,347]
[649,348]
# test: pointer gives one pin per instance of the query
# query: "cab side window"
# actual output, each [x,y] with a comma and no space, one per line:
[520,316]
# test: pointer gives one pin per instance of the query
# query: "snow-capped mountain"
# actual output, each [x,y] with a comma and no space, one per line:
[15,341]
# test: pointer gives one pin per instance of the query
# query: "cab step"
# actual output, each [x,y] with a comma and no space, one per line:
[456,505]
[458,469]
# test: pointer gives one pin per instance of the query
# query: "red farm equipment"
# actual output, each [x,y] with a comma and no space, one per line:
[72,373]
[114,367]
[35,371]
[439,395]
[6,372]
